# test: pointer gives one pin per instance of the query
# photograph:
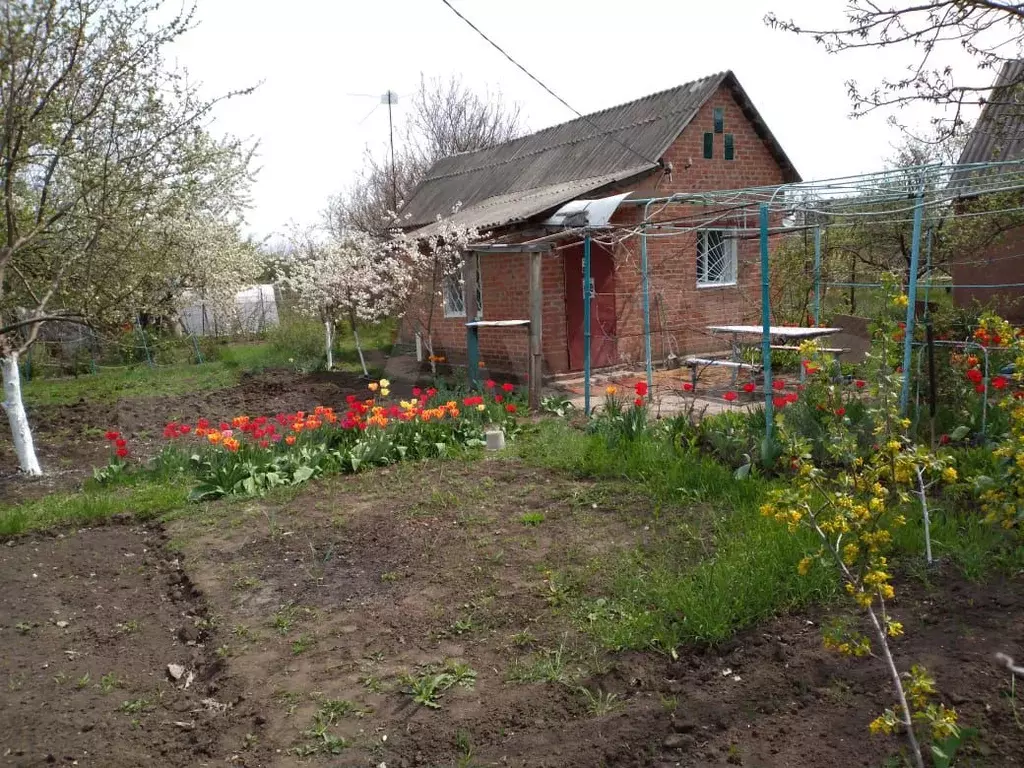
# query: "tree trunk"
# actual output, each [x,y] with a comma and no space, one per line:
[359,345]
[329,343]
[21,433]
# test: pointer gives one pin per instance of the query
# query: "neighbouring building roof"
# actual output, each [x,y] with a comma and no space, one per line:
[999,132]
[515,181]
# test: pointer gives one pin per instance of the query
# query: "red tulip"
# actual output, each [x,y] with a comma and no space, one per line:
[1000,382]
[840,412]
[498,398]
[122,453]
[729,396]
[111,435]
[687,387]
[490,383]
[506,387]
[639,402]
[778,385]
[860,383]
[511,407]
[979,388]
[749,387]
[780,402]
[641,388]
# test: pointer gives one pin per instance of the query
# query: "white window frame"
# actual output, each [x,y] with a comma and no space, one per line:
[453,293]
[731,245]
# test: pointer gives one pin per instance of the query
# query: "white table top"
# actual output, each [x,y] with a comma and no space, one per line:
[780,331]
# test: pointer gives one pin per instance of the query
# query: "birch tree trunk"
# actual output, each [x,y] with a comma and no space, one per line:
[12,403]
[330,344]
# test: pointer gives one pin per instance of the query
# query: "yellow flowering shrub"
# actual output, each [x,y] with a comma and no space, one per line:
[854,505]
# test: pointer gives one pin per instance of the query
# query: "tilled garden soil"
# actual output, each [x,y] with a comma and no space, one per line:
[89,622]
[339,593]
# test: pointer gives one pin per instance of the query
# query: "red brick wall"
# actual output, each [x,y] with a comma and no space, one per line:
[679,309]
[506,296]
[1001,262]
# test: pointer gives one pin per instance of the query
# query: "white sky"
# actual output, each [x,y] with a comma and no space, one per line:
[312,55]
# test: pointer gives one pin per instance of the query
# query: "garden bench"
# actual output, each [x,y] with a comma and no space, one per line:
[693,363]
[796,348]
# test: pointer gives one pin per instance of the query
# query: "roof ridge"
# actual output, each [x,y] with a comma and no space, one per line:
[587,116]
[577,140]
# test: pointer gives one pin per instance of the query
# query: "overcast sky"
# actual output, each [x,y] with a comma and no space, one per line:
[323,64]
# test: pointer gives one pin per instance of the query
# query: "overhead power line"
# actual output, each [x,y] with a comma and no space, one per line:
[538,81]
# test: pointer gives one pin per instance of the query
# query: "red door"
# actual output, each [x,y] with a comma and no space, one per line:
[602,306]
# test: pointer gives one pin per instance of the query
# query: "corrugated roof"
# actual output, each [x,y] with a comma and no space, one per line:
[514,181]
[999,132]
[502,210]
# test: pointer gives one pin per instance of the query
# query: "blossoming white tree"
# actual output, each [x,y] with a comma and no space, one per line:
[105,168]
[351,276]
[434,259]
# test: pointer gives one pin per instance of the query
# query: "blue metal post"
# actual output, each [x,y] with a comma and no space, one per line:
[766,323]
[915,260]
[817,275]
[647,304]
[586,323]
[928,268]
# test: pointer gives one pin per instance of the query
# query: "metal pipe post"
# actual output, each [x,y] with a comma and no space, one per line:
[469,283]
[817,275]
[915,261]
[586,323]
[647,304]
[766,323]
[928,270]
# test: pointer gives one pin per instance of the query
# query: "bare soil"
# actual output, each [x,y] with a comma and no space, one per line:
[343,591]
[89,622]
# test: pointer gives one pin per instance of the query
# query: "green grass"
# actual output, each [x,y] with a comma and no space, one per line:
[659,597]
[144,501]
[743,568]
[298,344]
[113,384]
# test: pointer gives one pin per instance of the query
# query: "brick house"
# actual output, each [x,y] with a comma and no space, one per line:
[998,136]
[701,136]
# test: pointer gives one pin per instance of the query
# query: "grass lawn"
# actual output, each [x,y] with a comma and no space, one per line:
[295,346]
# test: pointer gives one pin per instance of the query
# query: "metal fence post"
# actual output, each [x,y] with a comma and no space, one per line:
[766,322]
[586,323]
[915,260]
[817,275]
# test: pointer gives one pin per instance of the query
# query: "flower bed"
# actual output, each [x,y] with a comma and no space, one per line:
[252,454]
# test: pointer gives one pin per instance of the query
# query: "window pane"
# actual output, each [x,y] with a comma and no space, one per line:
[701,262]
[716,256]
[709,146]
[719,119]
